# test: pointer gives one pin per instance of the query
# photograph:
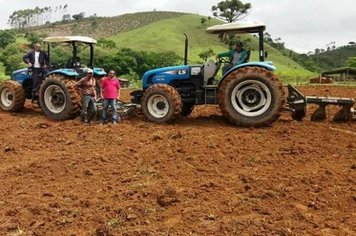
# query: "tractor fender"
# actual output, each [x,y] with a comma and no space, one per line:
[21,75]
[99,72]
[67,72]
[266,65]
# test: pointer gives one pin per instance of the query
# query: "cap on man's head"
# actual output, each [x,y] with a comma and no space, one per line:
[239,44]
[90,71]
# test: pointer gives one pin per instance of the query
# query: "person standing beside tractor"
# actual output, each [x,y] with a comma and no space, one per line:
[110,91]
[87,86]
[236,56]
[37,60]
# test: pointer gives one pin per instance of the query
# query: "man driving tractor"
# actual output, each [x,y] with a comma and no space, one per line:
[236,56]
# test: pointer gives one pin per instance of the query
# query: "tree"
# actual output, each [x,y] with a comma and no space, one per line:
[231,10]
[66,17]
[206,54]
[13,58]
[203,21]
[79,16]
[351,62]
[7,37]
[94,23]
[106,43]
[34,37]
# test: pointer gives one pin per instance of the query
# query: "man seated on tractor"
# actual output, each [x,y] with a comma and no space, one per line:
[37,60]
[236,56]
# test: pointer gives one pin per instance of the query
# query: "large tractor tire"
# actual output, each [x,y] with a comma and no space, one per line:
[59,98]
[251,97]
[187,109]
[12,96]
[161,103]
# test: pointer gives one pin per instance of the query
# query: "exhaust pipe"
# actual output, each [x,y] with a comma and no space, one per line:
[186,50]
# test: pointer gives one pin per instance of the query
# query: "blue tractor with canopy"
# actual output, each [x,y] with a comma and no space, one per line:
[249,94]
[57,95]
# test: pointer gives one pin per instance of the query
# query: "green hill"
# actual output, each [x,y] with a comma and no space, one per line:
[162,32]
[168,35]
[101,27]
[332,59]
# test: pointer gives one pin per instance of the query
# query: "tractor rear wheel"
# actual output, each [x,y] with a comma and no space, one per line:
[58,97]
[161,103]
[187,109]
[12,96]
[251,97]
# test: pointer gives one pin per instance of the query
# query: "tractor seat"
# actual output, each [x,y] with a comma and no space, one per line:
[210,70]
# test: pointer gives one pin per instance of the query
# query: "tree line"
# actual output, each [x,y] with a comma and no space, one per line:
[36,16]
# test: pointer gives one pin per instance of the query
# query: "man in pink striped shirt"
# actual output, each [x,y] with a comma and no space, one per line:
[110,91]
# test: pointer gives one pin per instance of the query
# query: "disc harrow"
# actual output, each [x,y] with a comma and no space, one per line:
[297,103]
[125,110]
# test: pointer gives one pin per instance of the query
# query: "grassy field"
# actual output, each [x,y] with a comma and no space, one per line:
[167,35]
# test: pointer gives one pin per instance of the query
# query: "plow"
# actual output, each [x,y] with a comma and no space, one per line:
[125,110]
[297,103]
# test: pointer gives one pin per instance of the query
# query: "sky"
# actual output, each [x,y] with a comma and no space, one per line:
[302,24]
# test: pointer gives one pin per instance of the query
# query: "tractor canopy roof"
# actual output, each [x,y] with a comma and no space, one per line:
[68,39]
[237,28]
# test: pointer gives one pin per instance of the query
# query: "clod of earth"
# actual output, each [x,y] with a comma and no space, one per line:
[167,198]
[103,230]
[156,137]
[9,149]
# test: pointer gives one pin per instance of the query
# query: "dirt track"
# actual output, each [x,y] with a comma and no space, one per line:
[200,176]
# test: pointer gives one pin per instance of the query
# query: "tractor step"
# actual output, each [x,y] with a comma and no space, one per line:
[297,102]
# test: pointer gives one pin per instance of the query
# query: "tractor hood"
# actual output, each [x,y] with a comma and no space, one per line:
[166,75]
[237,28]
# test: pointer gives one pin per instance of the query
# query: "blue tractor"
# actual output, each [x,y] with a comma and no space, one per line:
[249,95]
[57,95]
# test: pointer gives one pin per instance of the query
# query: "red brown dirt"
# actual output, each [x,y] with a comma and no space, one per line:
[199,176]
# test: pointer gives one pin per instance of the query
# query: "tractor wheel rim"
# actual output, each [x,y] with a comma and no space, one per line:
[158,106]
[55,99]
[251,98]
[7,97]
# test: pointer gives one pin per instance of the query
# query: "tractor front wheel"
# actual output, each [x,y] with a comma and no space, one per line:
[12,96]
[251,97]
[58,97]
[161,103]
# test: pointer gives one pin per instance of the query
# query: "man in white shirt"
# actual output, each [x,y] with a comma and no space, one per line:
[37,60]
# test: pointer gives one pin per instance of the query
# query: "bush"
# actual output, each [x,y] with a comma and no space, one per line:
[12,58]
[7,37]
[34,37]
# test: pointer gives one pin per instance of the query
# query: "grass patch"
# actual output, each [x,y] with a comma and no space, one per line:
[3,77]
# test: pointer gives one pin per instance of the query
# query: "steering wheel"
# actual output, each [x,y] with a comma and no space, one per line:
[222,60]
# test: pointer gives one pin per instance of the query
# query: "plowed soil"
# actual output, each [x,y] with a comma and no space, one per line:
[199,176]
